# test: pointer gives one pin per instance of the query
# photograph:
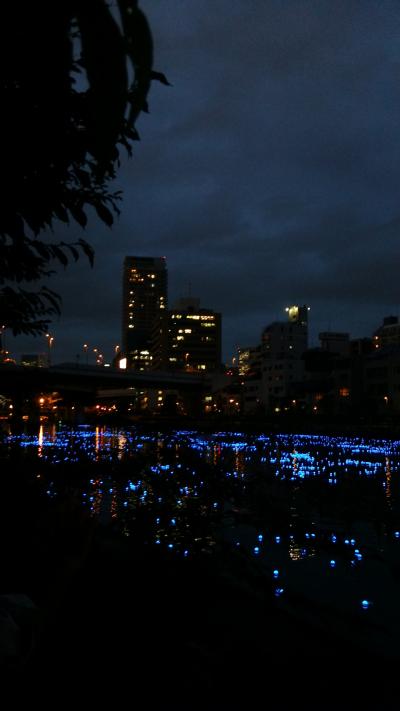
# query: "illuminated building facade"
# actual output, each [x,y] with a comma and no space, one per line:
[193,337]
[249,360]
[144,301]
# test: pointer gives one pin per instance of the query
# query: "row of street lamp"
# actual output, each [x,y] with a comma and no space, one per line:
[99,356]
[50,344]
[86,350]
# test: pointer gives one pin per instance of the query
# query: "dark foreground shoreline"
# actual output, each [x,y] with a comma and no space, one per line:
[135,629]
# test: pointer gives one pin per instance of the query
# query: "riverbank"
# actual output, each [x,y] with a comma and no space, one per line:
[161,633]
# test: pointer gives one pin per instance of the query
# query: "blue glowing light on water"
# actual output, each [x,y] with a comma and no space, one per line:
[191,493]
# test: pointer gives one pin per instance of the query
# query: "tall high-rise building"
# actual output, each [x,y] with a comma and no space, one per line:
[144,300]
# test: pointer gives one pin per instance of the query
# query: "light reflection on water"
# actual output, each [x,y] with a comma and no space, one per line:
[286,500]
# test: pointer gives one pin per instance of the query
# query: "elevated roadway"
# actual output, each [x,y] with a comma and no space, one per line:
[70,378]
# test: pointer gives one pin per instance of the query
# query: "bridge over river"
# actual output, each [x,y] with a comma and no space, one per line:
[85,380]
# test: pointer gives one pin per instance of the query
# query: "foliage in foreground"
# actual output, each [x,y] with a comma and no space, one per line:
[74,78]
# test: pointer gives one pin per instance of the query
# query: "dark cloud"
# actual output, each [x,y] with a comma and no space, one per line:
[269,173]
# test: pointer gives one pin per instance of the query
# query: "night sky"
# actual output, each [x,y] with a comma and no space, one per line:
[268,174]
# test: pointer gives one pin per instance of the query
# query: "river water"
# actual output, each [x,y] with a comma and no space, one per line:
[319,515]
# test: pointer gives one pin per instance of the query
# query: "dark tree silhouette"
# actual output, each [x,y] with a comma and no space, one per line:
[74,76]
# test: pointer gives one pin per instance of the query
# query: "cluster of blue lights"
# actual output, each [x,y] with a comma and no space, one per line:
[188,493]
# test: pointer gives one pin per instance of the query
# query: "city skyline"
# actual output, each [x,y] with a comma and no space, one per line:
[267,174]
[52,346]
[66,347]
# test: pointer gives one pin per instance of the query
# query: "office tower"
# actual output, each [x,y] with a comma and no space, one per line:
[144,300]
[287,340]
[282,347]
[194,337]
[281,362]
[298,314]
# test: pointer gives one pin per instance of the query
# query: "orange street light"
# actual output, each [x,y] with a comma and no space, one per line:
[50,341]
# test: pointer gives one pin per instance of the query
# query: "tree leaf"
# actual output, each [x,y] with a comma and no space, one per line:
[159,76]
[78,214]
[104,213]
[73,251]
[88,250]
[61,213]
[59,254]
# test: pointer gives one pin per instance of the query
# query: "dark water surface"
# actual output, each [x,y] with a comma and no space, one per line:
[302,505]
[315,518]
